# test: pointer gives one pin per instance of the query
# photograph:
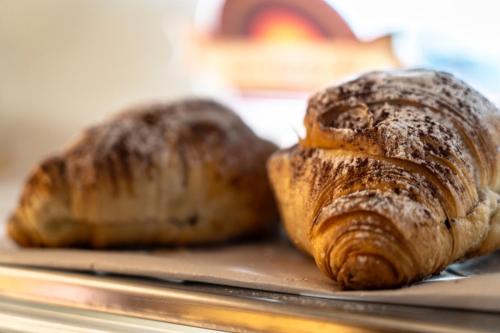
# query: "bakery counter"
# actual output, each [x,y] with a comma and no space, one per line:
[161,214]
[60,300]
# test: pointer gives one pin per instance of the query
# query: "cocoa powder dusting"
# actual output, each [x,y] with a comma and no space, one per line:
[136,142]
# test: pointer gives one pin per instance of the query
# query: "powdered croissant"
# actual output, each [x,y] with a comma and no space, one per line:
[397,177]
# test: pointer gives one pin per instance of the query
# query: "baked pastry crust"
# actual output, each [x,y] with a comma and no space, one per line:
[397,177]
[183,173]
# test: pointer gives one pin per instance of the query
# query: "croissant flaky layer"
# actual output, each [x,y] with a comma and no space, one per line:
[397,177]
[182,173]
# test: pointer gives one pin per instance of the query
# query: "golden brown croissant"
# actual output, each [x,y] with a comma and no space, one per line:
[182,173]
[397,177]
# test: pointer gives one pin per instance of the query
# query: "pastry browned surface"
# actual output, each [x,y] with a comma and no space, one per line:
[182,173]
[398,176]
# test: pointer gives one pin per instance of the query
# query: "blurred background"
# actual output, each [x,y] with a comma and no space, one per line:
[67,64]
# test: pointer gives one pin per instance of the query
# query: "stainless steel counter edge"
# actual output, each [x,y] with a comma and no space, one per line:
[232,309]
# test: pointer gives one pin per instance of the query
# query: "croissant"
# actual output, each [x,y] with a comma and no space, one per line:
[396,178]
[183,173]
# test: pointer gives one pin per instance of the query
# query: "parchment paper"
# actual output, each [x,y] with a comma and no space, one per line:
[272,266]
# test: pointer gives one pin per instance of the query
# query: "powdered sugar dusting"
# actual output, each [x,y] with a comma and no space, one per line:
[388,185]
[414,116]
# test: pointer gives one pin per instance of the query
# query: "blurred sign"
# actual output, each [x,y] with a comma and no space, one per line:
[285,45]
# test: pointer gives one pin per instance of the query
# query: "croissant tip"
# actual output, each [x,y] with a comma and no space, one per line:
[367,271]
[16,232]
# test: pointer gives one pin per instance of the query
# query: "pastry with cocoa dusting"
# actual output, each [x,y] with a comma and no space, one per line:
[182,173]
[397,177]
